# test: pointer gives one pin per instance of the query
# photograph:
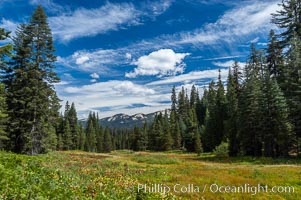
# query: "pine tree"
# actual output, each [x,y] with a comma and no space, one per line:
[173,99]
[288,20]
[99,139]
[90,142]
[193,96]
[167,140]
[232,110]
[250,104]
[210,122]
[82,138]
[197,142]
[3,117]
[292,87]
[4,52]
[277,129]
[274,56]
[135,139]
[182,104]
[60,142]
[30,86]
[107,141]
[72,117]
[220,114]
[200,109]
[175,130]
[67,137]
[142,143]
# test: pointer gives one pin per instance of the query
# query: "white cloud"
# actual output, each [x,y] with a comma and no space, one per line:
[9,25]
[90,22]
[114,86]
[94,75]
[159,63]
[254,40]
[262,43]
[158,7]
[61,83]
[49,5]
[117,94]
[109,17]
[191,76]
[228,63]
[92,61]
[93,80]
[223,57]
[237,22]
[68,76]
[81,60]
[128,56]
[129,87]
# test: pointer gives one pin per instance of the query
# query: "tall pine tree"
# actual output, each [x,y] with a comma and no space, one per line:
[30,86]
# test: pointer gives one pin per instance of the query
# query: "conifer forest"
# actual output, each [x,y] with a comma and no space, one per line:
[255,113]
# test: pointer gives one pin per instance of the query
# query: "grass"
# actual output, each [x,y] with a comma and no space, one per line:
[155,159]
[81,175]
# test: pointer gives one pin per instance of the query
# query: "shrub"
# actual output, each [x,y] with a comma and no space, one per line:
[222,150]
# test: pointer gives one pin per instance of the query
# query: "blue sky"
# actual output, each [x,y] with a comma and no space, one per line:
[124,56]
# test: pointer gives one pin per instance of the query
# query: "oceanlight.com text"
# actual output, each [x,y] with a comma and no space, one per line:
[253,190]
[214,188]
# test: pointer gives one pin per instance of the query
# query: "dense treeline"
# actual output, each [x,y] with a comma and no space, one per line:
[255,112]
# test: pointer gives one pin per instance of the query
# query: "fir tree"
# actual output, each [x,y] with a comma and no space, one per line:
[250,103]
[175,130]
[107,141]
[99,139]
[67,137]
[173,99]
[232,110]
[30,86]
[4,52]
[292,87]
[3,117]
[166,138]
[288,20]
[210,122]
[274,56]
[90,142]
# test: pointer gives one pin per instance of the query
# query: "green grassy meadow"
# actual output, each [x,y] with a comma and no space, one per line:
[118,175]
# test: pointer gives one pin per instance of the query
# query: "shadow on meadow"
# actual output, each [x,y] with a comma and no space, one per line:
[247,160]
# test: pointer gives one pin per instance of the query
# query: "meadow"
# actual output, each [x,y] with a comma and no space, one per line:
[146,175]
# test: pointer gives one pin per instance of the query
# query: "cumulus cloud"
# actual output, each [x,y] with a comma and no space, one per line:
[94,75]
[129,87]
[159,63]
[82,59]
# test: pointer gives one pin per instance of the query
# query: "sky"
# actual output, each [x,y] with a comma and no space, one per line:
[117,56]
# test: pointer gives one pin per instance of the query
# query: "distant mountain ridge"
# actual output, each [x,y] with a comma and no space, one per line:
[127,121]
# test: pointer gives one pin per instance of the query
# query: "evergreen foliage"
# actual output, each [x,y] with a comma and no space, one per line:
[31,96]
